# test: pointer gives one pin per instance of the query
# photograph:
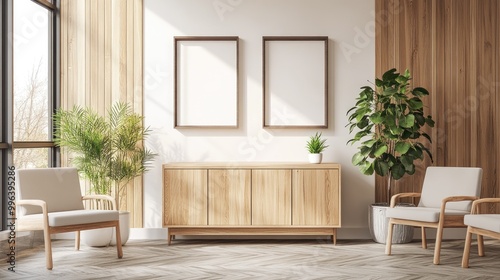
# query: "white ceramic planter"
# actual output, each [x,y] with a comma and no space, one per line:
[96,237]
[378,224]
[315,158]
[124,228]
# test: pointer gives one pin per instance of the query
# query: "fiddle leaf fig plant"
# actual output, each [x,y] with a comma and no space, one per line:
[389,122]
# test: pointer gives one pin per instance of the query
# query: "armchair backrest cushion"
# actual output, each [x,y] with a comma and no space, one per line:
[441,182]
[58,187]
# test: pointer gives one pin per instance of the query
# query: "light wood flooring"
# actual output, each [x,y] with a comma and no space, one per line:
[253,259]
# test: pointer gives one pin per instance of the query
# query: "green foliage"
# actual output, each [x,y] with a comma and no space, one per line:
[107,151]
[389,122]
[316,145]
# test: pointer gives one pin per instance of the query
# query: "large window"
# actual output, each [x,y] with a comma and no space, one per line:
[32,84]
[29,84]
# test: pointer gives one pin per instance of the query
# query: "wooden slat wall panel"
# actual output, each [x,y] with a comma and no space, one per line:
[487,75]
[497,92]
[101,63]
[452,48]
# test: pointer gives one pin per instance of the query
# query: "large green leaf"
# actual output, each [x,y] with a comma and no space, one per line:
[366,168]
[402,147]
[407,161]
[390,91]
[369,143]
[357,158]
[416,152]
[402,79]
[365,151]
[396,130]
[390,75]
[415,103]
[419,91]
[429,121]
[380,150]
[422,147]
[380,167]
[419,118]
[410,170]
[363,123]
[398,171]
[377,118]
[361,112]
[407,121]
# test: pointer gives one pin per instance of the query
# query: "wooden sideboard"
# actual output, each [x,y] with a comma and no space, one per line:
[251,199]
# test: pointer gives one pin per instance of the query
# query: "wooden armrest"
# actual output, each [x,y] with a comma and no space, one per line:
[395,197]
[455,199]
[459,198]
[33,202]
[101,197]
[475,204]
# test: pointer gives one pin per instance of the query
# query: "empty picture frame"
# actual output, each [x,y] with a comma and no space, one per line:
[295,81]
[206,81]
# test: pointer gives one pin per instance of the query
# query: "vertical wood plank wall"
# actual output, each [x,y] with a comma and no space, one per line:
[452,48]
[101,63]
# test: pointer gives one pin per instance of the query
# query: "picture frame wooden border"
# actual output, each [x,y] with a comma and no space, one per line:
[267,122]
[183,64]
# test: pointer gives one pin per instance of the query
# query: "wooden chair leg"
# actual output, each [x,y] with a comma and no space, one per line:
[439,238]
[388,243]
[77,240]
[48,248]
[465,257]
[424,238]
[480,245]
[118,240]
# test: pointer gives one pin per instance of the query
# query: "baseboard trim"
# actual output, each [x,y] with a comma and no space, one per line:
[343,233]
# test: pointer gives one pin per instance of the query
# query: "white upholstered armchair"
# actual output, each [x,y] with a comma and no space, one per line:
[481,225]
[447,195]
[50,199]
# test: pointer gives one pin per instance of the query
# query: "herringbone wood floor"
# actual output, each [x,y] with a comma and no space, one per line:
[254,259]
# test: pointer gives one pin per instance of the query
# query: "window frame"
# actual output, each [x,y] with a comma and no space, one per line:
[7,144]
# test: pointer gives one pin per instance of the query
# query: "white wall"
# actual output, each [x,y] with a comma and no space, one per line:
[349,24]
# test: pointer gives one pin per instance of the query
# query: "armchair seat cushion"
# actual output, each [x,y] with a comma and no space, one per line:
[422,214]
[67,218]
[484,221]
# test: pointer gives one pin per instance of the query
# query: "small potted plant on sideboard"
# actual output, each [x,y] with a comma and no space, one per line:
[315,146]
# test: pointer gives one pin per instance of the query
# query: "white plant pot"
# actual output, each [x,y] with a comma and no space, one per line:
[378,224]
[124,228]
[96,237]
[315,158]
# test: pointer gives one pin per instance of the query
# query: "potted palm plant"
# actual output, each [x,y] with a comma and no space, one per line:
[107,150]
[389,120]
[315,146]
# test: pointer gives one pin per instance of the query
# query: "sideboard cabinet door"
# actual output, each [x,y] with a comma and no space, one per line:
[229,196]
[271,197]
[185,197]
[316,197]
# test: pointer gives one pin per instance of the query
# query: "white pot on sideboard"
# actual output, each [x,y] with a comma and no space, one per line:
[124,228]
[315,158]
